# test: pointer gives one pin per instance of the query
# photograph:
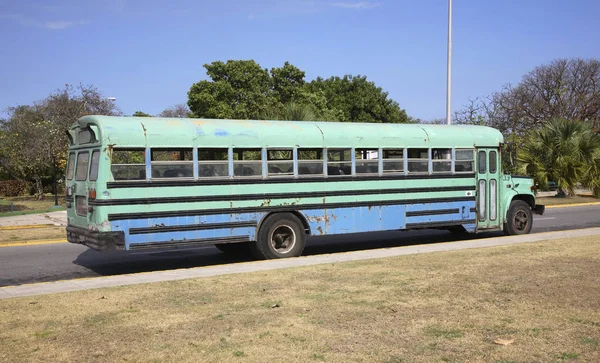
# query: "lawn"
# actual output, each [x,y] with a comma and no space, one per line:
[16,235]
[577,199]
[29,205]
[540,299]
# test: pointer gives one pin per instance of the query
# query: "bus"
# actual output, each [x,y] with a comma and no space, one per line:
[261,187]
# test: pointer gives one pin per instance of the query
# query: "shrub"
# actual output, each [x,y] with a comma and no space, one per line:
[13,188]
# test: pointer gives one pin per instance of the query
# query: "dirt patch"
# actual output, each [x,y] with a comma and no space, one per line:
[449,307]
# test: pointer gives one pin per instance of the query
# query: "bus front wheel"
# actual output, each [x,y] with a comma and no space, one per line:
[519,218]
[280,235]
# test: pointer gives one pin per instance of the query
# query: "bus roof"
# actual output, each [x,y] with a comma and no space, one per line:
[175,132]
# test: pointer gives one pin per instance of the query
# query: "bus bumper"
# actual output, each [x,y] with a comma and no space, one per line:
[99,241]
[539,209]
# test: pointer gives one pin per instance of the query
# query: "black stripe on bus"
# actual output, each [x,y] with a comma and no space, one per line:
[432,212]
[192,227]
[290,207]
[238,197]
[232,181]
[187,243]
[439,224]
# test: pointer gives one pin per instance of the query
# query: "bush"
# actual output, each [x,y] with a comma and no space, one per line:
[13,188]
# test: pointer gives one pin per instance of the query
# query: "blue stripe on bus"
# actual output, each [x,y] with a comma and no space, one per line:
[321,221]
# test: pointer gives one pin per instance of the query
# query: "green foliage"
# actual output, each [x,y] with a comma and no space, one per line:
[563,151]
[13,188]
[359,100]
[141,114]
[241,89]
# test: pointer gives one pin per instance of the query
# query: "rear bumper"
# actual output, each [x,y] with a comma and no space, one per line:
[99,241]
[539,209]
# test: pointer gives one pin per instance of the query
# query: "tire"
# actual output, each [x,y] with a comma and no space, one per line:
[519,219]
[234,249]
[280,236]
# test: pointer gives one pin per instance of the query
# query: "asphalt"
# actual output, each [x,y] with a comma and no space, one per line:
[246,267]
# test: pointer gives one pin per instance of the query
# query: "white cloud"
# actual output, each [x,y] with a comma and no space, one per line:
[355,5]
[50,25]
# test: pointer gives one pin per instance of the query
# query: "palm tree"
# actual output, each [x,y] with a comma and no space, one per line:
[564,151]
[293,111]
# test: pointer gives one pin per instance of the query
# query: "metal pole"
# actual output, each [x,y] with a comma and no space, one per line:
[449,70]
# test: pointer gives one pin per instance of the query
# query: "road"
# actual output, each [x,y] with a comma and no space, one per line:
[52,262]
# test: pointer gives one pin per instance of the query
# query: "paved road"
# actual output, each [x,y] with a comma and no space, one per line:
[29,264]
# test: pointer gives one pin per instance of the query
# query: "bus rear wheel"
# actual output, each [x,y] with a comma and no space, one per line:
[280,236]
[519,218]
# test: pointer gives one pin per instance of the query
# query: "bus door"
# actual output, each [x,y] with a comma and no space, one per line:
[488,184]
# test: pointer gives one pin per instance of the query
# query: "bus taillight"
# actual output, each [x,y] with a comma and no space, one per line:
[92,194]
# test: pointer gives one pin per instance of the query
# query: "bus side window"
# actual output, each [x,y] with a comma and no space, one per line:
[213,162]
[464,161]
[247,162]
[367,161]
[339,162]
[418,160]
[128,164]
[310,161]
[393,161]
[172,163]
[441,160]
[280,163]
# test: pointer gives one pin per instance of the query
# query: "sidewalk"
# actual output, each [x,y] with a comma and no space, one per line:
[58,218]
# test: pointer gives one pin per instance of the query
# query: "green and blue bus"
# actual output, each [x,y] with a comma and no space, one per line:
[262,187]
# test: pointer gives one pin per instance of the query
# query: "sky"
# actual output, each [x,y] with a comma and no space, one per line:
[147,53]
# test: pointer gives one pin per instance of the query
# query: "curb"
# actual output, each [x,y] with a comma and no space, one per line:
[573,205]
[31,243]
[27,226]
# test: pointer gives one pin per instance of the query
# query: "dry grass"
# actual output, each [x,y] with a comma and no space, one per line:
[576,199]
[439,307]
[31,234]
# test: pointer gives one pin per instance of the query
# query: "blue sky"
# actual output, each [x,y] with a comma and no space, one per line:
[147,53]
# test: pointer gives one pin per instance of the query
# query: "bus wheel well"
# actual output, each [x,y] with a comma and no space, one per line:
[526,198]
[295,213]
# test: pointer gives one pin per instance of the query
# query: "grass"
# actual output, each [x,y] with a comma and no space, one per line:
[22,235]
[437,307]
[29,205]
[578,199]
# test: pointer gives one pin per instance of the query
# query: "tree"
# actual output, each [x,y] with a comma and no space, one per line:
[358,100]
[565,88]
[34,145]
[141,114]
[238,89]
[563,151]
[177,111]
[242,89]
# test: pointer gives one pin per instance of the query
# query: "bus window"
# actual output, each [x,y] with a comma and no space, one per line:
[393,160]
[83,161]
[481,162]
[94,168]
[172,163]
[86,136]
[310,161]
[128,164]
[71,166]
[442,160]
[418,160]
[280,163]
[493,162]
[339,162]
[247,162]
[464,161]
[367,161]
[213,163]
